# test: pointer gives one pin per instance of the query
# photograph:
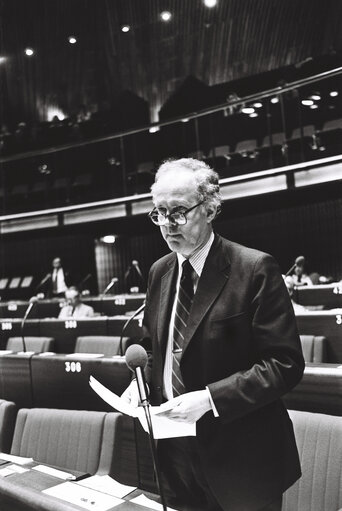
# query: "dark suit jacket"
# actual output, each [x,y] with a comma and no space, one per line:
[243,344]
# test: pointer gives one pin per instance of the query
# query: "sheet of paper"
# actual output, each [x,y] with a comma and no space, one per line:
[54,472]
[6,471]
[162,426]
[107,484]
[83,497]
[17,469]
[144,501]
[84,355]
[19,460]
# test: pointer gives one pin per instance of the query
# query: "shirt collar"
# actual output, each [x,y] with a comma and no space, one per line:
[198,259]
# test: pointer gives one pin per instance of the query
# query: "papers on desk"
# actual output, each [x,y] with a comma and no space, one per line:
[84,355]
[107,484]
[12,469]
[83,497]
[142,500]
[162,426]
[18,460]
[54,472]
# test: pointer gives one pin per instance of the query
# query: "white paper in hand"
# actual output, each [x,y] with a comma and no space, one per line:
[162,426]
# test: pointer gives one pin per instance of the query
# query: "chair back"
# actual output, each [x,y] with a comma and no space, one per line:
[36,344]
[108,345]
[319,442]
[314,348]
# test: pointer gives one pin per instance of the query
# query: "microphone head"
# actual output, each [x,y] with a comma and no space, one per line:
[300,260]
[114,279]
[34,299]
[136,356]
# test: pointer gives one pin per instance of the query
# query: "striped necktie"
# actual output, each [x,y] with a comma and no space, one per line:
[184,301]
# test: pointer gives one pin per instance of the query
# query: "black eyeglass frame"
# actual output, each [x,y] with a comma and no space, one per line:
[170,215]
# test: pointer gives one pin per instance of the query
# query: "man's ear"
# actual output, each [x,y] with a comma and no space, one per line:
[211,212]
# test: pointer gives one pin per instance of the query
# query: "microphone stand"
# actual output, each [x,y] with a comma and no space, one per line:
[28,310]
[146,405]
[142,307]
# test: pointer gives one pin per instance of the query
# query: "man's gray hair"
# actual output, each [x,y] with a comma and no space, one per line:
[207,179]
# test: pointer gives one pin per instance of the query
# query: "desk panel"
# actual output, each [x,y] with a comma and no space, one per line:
[116,324]
[320,390]
[65,332]
[120,304]
[15,379]
[61,381]
[12,328]
[325,323]
[329,295]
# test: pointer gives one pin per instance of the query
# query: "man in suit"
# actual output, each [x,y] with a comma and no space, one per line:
[74,308]
[224,349]
[59,279]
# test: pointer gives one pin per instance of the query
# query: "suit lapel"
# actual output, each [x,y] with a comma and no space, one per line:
[214,277]
[165,302]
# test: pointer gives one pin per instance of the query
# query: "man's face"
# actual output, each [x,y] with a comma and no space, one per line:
[73,297]
[177,190]
[56,263]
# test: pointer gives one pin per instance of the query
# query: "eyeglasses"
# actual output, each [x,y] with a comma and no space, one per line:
[176,218]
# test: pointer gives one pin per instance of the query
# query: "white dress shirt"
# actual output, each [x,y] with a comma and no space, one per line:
[197,261]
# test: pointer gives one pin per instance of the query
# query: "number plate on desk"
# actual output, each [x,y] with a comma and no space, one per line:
[70,323]
[120,301]
[6,325]
[73,367]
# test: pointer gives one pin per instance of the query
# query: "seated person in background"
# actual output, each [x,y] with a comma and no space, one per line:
[298,309]
[74,307]
[300,278]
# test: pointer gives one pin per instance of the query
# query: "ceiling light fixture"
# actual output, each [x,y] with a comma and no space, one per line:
[29,52]
[125,28]
[72,39]
[210,3]
[254,114]
[307,102]
[166,15]
[315,96]
[154,129]
[275,100]
[109,238]
[313,107]
[257,104]
[247,110]
[333,93]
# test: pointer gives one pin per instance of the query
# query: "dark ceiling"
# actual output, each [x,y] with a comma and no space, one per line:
[235,39]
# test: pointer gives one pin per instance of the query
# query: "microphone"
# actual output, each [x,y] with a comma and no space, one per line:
[300,260]
[43,281]
[135,264]
[141,308]
[83,281]
[33,301]
[110,285]
[136,360]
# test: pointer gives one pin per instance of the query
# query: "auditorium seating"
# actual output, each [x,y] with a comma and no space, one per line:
[319,441]
[8,413]
[106,344]
[36,344]
[314,348]
[77,440]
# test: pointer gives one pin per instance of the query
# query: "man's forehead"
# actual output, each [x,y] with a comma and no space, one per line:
[175,183]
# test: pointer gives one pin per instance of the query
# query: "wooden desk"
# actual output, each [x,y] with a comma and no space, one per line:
[62,381]
[327,323]
[320,390]
[329,295]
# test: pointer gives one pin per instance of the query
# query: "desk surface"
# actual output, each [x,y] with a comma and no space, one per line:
[24,491]
[327,324]
[328,295]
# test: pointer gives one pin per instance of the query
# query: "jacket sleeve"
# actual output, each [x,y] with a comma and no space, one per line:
[278,361]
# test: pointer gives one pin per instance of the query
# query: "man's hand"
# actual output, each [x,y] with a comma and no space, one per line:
[131,394]
[187,407]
